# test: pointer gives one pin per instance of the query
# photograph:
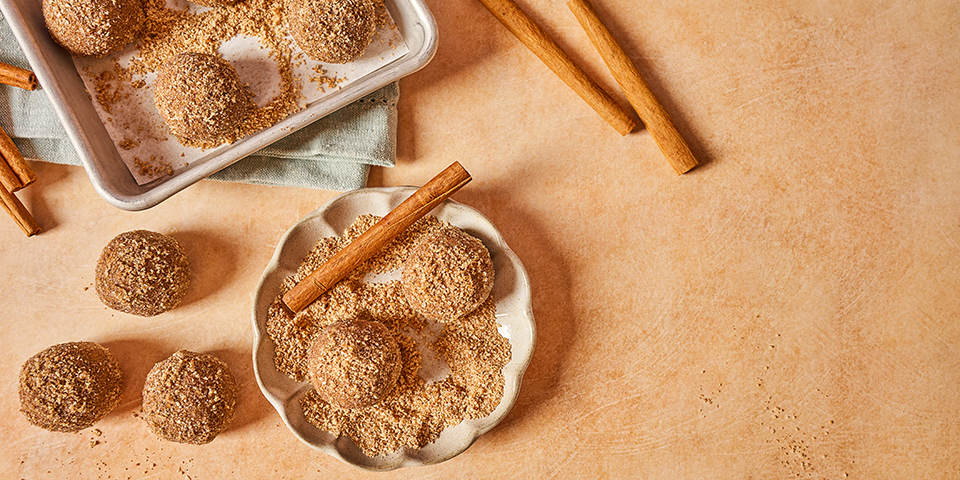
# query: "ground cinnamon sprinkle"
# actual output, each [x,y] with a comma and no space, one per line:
[322,80]
[473,351]
[168,32]
[153,167]
[128,144]
[108,92]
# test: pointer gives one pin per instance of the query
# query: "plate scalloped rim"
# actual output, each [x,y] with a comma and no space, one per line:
[514,315]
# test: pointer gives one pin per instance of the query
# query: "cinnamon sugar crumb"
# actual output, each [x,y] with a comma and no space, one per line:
[323,81]
[154,167]
[109,91]
[169,32]
[472,351]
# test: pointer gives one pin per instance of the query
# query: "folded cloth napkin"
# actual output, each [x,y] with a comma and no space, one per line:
[333,153]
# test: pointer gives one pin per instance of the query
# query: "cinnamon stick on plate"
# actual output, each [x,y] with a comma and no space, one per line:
[17,77]
[370,242]
[654,116]
[18,212]
[531,35]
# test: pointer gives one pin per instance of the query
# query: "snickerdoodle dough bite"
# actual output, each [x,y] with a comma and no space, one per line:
[70,386]
[447,275]
[354,363]
[201,97]
[93,27]
[189,397]
[332,31]
[142,273]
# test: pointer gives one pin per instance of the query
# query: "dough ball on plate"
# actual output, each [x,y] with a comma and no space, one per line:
[354,363]
[142,273]
[332,31]
[200,96]
[447,275]
[93,27]
[70,386]
[189,397]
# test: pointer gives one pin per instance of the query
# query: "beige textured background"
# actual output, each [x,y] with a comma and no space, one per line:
[787,310]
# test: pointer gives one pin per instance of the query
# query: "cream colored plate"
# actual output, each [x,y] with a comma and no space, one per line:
[514,314]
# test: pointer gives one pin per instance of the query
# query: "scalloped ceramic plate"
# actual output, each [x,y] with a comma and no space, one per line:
[514,314]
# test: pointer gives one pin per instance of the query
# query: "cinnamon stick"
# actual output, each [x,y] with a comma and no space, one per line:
[370,242]
[17,77]
[8,178]
[14,159]
[651,112]
[537,40]
[18,212]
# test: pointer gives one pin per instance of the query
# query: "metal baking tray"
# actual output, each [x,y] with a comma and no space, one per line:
[98,153]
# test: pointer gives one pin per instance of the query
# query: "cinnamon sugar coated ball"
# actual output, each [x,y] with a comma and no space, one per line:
[189,398]
[447,275]
[70,386]
[201,97]
[93,27]
[354,363]
[142,273]
[332,31]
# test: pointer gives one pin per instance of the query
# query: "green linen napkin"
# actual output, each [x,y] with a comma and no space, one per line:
[333,153]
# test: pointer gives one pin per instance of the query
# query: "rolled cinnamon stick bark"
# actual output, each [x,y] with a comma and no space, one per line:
[18,212]
[8,178]
[531,35]
[370,242]
[11,154]
[651,112]
[17,77]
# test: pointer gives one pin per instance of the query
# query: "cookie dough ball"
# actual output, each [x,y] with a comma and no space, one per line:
[143,273]
[201,97]
[189,397]
[70,386]
[93,27]
[447,275]
[332,31]
[354,363]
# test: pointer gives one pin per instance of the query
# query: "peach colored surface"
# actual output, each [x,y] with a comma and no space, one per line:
[789,309]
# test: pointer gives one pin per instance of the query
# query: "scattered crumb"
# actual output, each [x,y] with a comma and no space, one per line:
[154,167]
[168,32]
[323,81]
[128,144]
